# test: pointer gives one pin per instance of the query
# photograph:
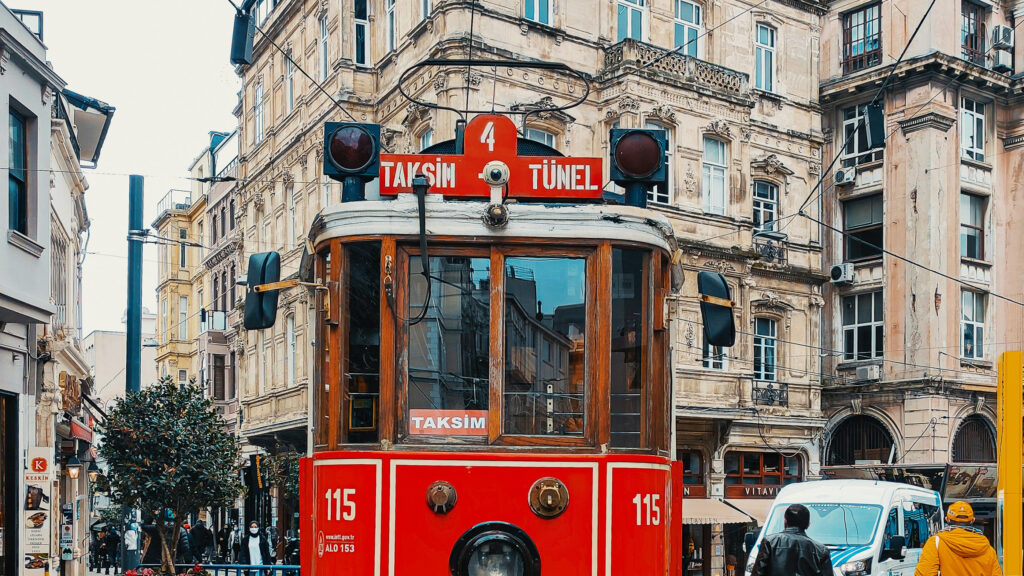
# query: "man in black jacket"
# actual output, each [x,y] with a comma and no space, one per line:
[791,552]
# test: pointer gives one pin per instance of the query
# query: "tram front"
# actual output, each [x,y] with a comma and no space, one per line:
[492,392]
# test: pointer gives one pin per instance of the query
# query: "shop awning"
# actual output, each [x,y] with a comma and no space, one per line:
[756,508]
[711,511]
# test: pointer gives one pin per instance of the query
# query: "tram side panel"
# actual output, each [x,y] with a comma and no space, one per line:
[371,515]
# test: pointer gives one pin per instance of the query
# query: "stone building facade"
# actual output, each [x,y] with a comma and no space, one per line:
[913,352]
[739,105]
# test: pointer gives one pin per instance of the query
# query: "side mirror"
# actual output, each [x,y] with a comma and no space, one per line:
[895,548]
[261,307]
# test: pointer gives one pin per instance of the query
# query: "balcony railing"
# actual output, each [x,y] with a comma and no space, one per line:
[771,251]
[770,394]
[633,53]
[213,320]
[174,200]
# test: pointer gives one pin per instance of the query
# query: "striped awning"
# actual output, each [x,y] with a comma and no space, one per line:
[711,511]
[756,508]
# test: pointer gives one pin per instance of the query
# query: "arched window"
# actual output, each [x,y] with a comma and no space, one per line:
[974,441]
[861,439]
[542,136]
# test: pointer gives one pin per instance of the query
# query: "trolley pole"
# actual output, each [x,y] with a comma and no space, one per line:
[1010,407]
[133,365]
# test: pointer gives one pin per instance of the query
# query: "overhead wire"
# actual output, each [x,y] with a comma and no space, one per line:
[863,120]
[701,35]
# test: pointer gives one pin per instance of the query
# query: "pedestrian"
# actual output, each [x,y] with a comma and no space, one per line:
[184,544]
[273,541]
[223,541]
[94,552]
[151,550]
[254,549]
[101,550]
[960,549]
[202,539]
[113,540]
[791,552]
[132,546]
[235,542]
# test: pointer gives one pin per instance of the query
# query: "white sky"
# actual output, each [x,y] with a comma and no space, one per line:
[164,66]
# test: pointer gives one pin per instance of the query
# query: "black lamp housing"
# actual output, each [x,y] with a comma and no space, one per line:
[352,156]
[638,161]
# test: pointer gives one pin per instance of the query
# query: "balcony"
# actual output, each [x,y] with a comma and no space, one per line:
[632,54]
[772,251]
[770,394]
[174,200]
[212,320]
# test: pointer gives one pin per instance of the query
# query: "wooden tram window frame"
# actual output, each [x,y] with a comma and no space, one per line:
[400,339]
[393,399]
[321,404]
[595,267]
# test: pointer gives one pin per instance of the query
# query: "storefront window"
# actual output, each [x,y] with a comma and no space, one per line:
[449,346]
[760,469]
[545,305]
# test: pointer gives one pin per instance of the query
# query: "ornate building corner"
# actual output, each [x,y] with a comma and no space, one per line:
[931,120]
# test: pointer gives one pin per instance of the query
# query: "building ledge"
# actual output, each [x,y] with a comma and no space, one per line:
[25,244]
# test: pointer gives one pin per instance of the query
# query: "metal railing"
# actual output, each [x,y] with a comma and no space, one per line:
[235,569]
[174,200]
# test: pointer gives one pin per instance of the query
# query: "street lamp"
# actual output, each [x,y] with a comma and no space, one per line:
[150,343]
[94,471]
[74,467]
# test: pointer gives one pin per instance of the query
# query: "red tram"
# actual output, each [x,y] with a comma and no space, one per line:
[496,400]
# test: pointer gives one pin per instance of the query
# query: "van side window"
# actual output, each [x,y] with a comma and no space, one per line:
[920,521]
[892,526]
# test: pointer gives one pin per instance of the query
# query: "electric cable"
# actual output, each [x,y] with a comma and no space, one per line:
[863,120]
[901,258]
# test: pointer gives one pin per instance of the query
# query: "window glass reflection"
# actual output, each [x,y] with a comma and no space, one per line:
[627,343]
[545,327]
[448,348]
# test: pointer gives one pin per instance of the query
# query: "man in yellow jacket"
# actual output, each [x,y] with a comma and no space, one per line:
[959,550]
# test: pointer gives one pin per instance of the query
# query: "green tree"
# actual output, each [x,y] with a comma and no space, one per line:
[167,450]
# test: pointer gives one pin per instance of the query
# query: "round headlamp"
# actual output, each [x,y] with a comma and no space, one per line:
[494,549]
[351,148]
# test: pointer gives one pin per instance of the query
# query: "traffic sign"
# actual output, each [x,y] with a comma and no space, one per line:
[493,137]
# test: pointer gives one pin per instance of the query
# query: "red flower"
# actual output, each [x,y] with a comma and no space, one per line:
[130,573]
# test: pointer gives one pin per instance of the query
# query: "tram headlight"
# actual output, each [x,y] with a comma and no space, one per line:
[494,549]
[495,558]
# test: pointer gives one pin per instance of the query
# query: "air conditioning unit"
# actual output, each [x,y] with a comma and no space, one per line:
[1002,37]
[868,373]
[842,273]
[846,175]
[1002,61]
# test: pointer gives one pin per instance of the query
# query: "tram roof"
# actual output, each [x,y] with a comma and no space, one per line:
[562,221]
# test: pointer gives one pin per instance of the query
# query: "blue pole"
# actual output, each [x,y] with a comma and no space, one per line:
[134,353]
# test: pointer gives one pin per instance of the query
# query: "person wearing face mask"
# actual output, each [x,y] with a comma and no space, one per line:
[254,549]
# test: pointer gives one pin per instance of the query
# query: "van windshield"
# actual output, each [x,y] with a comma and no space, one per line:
[834,524]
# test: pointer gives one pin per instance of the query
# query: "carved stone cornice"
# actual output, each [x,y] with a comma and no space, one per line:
[221,253]
[770,164]
[1013,142]
[931,120]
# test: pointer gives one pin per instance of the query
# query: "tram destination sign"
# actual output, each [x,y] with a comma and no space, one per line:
[492,137]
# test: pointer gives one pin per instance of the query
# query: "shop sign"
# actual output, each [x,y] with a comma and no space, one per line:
[695,491]
[752,490]
[37,509]
[71,392]
[971,482]
[448,422]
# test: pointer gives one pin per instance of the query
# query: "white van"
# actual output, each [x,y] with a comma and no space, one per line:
[871,528]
